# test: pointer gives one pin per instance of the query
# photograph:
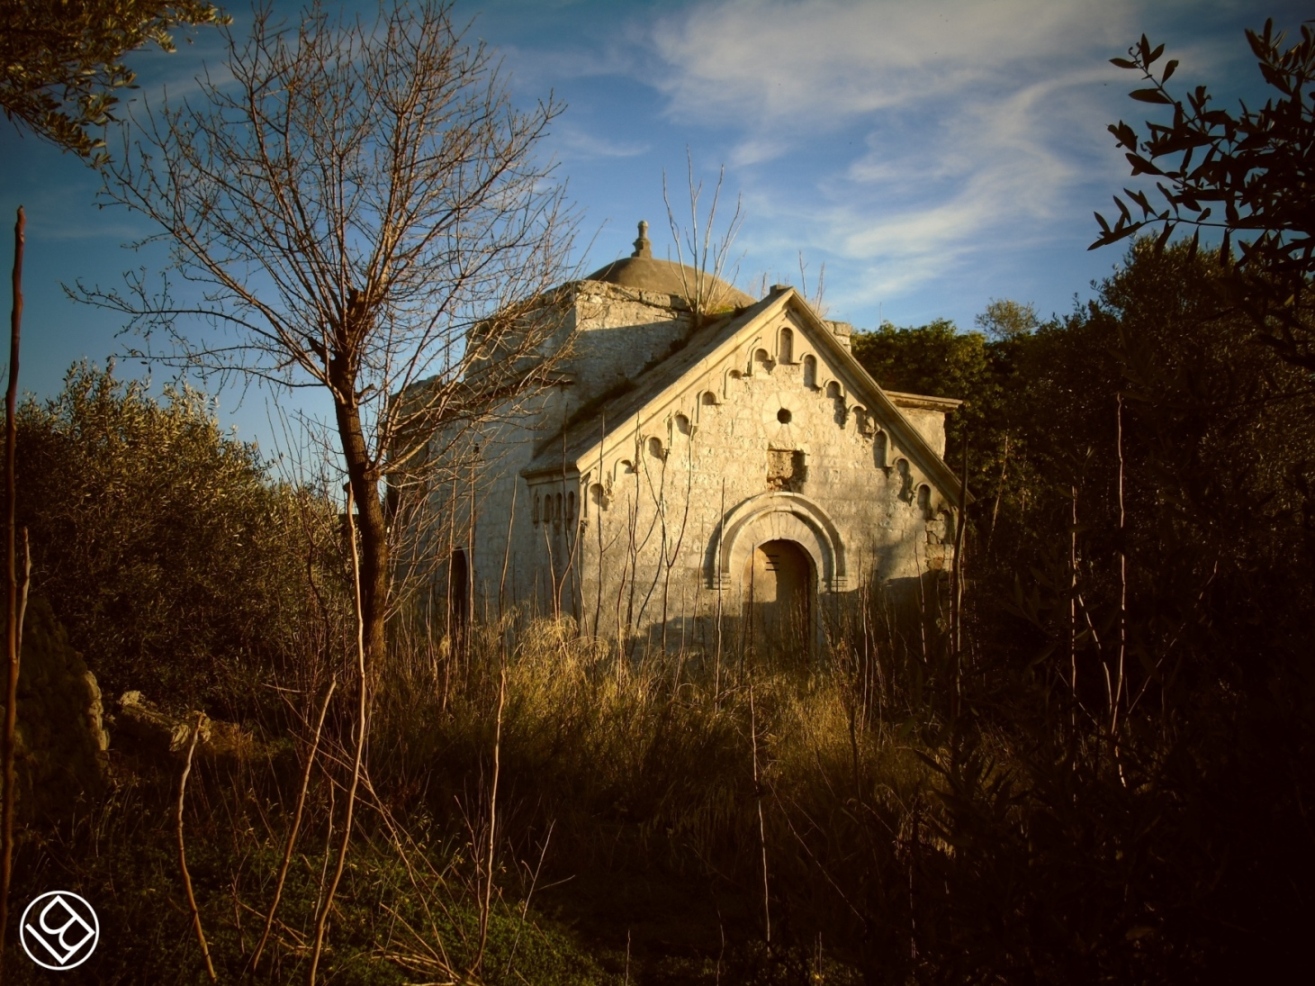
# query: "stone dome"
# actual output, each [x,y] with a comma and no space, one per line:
[642,272]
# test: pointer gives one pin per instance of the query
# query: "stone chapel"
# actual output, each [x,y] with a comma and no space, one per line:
[687,480]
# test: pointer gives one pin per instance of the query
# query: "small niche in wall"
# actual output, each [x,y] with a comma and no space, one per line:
[785,348]
[810,372]
[682,423]
[732,378]
[905,480]
[786,470]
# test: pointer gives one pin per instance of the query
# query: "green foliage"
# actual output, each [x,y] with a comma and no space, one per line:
[176,566]
[1132,679]
[1246,173]
[1006,319]
[934,359]
[399,909]
[1217,440]
[940,361]
[61,61]
[937,360]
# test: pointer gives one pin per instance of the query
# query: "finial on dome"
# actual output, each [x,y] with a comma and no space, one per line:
[643,248]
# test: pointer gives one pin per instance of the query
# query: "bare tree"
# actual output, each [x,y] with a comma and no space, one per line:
[708,252]
[360,209]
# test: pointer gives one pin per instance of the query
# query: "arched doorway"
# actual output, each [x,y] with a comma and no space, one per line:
[779,586]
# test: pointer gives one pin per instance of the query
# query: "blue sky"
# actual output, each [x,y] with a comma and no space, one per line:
[930,155]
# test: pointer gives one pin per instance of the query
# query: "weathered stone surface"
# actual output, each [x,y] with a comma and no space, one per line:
[145,726]
[61,738]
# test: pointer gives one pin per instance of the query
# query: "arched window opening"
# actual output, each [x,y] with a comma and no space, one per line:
[570,507]
[785,348]
[655,448]
[682,424]
[458,594]
[598,497]
[534,511]
[557,512]
[810,372]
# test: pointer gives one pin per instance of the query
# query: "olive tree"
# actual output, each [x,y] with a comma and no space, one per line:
[1246,173]
[174,562]
[362,210]
[61,61]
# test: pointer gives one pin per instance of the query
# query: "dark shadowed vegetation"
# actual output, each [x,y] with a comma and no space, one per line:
[172,559]
[1103,780]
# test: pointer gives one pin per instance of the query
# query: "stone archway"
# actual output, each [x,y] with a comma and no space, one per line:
[778,589]
[777,516]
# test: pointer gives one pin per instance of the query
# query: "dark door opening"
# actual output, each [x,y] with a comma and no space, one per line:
[778,592]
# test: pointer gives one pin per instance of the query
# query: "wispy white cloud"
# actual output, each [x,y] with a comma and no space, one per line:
[572,142]
[951,127]
[817,62]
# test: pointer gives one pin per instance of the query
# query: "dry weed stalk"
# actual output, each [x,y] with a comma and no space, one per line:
[182,850]
[486,903]
[293,830]
[362,727]
[707,256]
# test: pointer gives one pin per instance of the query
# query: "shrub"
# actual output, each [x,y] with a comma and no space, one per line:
[174,562]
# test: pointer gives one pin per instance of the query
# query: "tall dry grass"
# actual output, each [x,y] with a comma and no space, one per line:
[762,801]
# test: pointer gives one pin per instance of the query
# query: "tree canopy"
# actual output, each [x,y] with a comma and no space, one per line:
[61,63]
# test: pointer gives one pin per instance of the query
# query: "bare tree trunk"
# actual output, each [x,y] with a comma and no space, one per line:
[369,522]
[14,634]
